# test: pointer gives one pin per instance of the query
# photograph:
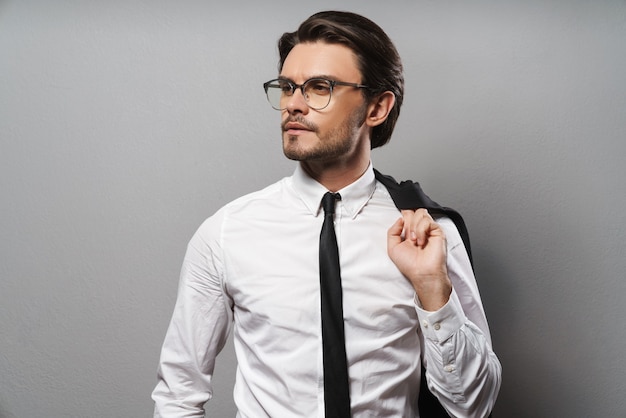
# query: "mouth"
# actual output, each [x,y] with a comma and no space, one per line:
[295,128]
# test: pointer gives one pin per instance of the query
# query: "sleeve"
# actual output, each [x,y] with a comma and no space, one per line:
[198,329]
[461,368]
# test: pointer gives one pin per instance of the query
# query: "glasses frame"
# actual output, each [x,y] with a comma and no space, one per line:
[294,86]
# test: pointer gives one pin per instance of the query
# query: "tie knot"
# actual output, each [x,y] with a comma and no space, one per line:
[328,202]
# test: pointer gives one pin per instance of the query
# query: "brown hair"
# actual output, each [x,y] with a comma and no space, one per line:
[378,59]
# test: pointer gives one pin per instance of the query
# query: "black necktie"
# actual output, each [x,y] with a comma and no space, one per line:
[336,385]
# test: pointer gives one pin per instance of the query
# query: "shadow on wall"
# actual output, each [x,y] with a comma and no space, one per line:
[535,381]
[546,287]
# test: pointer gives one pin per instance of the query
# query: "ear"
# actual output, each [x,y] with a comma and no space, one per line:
[379,108]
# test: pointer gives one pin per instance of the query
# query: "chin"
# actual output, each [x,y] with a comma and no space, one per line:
[292,148]
[293,154]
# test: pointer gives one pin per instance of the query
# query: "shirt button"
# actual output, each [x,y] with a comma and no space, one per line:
[425,324]
[449,368]
[437,326]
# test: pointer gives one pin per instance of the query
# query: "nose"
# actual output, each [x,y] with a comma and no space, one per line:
[296,103]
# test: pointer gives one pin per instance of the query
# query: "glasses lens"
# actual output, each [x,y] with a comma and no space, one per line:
[277,91]
[317,93]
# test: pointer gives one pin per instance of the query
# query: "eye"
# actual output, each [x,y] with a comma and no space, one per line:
[284,86]
[318,87]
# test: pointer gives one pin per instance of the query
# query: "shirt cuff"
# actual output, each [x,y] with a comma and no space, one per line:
[440,325]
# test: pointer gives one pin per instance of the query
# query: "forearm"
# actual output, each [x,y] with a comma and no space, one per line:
[185,373]
[461,368]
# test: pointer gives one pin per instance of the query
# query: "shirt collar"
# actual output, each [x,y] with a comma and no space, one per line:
[353,197]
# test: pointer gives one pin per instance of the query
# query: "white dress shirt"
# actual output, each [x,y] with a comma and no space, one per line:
[253,267]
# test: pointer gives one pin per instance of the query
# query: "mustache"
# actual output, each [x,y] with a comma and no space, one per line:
[301,120]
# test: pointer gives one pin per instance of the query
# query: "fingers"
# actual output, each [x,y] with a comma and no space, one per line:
[418,226]
[395,233]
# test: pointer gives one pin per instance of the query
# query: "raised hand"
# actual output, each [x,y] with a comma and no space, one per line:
[417,246]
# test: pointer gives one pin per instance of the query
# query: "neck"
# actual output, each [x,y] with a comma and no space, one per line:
[338,174]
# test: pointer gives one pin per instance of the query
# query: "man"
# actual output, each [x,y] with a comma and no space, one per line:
[408,293]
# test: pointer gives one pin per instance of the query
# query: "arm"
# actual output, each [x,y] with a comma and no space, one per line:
[461,367]
[197,332]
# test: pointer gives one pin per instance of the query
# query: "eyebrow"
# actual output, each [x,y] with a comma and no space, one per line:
[324,76]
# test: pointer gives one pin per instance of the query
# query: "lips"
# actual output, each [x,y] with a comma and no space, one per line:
[295,126]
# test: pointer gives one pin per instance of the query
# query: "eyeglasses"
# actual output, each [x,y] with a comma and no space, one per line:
[316,91]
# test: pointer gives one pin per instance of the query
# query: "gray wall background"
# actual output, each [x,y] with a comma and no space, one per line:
[124,124]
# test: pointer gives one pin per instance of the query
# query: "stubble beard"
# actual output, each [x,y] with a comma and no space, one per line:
[337,142]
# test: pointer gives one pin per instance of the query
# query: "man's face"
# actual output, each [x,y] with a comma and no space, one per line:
[334,132]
